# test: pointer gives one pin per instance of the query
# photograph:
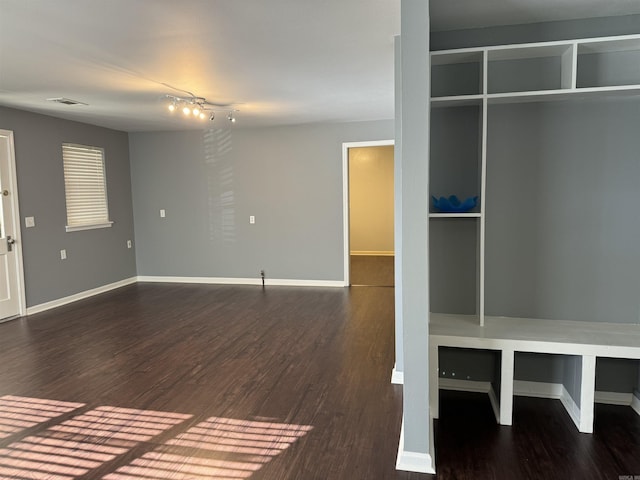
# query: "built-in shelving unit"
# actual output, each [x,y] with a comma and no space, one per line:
[466,83]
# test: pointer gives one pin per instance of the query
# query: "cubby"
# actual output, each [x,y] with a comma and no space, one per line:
[528,69]
[457,74]
[613,63]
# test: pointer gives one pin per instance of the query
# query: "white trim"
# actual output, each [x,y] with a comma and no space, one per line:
[522,388]
[372,253]
[201,280]
[635,403]
[79,296]
[242,281]
[464,385]
[345,195]
[495,405]
[345,214]
[17,224]
[414,461]
[571,407]
[614,398]
[397,378]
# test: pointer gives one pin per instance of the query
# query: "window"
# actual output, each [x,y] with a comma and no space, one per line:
[85,187]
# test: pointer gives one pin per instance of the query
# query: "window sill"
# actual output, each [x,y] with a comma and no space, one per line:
[77,228]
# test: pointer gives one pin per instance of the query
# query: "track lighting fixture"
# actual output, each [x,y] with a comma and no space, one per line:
[199,107]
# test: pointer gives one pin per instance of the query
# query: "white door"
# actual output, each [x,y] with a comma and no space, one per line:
[11,285]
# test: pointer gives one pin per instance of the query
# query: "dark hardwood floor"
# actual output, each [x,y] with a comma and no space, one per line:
[371,271]
[283,383]
[216,382]
[542,444]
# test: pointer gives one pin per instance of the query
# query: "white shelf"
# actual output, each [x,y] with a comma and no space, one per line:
[614,340]
[566,53]
[455,215]
[457,101]
[539,50]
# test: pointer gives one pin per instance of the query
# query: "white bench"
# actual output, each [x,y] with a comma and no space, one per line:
[585,341]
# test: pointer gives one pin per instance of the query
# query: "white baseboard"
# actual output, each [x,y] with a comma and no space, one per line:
[495,404]
[554,391]
[524,388]
[243,281]
[79,296]
[635,403]
[571,407]
[397,378]
[206,280]
[414,461]
[464,385]
[614,398]
[372,253]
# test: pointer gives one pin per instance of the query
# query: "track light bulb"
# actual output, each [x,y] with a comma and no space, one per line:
[202,116]
[231,118]
[196,111]
[186,110]
[212,116]
[172,107]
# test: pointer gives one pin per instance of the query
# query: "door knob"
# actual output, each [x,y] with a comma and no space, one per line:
[5,193]
[10,242]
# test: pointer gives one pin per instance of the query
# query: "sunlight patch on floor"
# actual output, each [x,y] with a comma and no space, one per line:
[76,444]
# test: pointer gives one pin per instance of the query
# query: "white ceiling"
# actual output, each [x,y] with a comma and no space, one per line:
[277,61]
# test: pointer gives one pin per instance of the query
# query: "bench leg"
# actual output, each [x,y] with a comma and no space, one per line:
[587,393]
[506,388]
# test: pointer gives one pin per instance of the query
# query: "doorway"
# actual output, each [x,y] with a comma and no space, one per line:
[12,302]
[369,213]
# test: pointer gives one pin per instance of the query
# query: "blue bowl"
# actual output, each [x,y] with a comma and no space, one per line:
[453,204]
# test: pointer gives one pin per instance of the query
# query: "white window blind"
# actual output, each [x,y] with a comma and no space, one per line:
[85,187]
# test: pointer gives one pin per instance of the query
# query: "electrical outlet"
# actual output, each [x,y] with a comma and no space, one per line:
[162,213]
[29,222]
[128,243]
[252,219]
[63,254]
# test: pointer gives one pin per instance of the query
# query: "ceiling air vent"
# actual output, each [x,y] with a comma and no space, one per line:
[66,101]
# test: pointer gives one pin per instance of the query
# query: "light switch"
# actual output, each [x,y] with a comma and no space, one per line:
[63,254]
[29,222]
[128,243]
[252,219]
[162,213]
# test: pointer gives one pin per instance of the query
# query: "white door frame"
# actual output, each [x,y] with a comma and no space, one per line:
[345,195]
[13,186]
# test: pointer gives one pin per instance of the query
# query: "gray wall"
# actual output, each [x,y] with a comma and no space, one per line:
[562,191]
[210,182]
[94,257]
